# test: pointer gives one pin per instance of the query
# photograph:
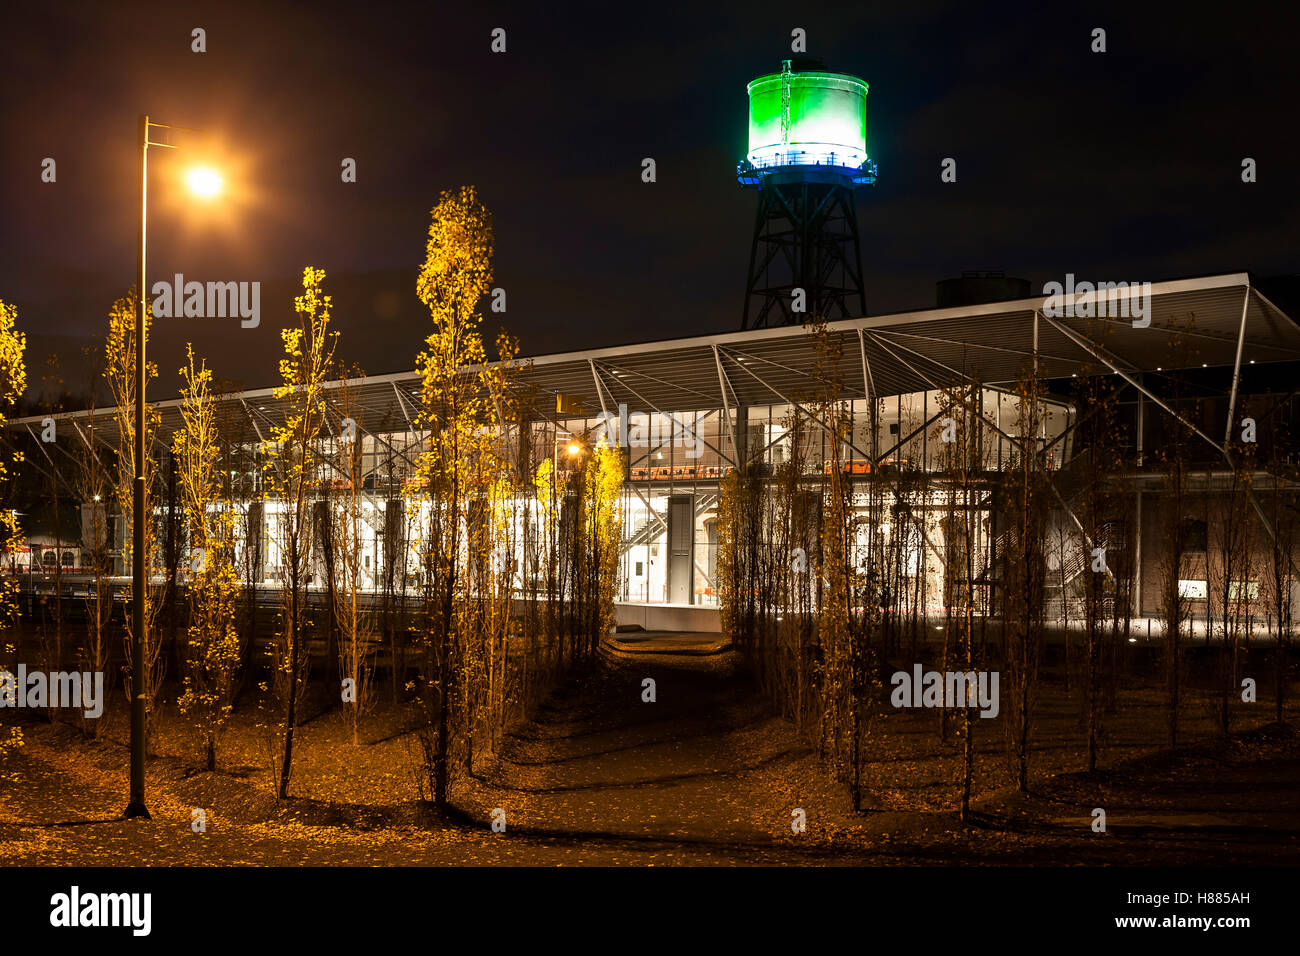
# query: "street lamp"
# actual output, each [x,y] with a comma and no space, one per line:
[205,183]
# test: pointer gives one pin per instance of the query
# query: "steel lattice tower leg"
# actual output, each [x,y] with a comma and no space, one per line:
[805,237]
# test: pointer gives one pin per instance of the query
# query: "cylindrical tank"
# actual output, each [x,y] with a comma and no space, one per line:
[807,117]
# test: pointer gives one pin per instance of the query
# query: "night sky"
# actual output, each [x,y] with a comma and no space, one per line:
[1119,166]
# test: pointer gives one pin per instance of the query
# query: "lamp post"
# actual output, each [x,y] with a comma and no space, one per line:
[205,183]
[136,807]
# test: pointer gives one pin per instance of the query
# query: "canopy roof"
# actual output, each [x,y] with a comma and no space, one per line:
[1193,323]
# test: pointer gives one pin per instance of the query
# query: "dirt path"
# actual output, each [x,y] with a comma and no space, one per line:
[598,776]
[600,761]
[704,774]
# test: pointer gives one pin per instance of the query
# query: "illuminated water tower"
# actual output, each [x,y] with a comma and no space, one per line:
[807,157]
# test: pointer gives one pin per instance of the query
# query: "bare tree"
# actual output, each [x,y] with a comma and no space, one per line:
[1100,434]
[1280,507]
[1024,567]
[740,572]
[212,647]
[350,574]
[51,632]
[962,457]
[1174,601]
[848,626]
[119,355]
[294,472]
[93,482]
[1229,581]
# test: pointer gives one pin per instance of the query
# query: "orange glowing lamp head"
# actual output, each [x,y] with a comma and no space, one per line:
[204,182]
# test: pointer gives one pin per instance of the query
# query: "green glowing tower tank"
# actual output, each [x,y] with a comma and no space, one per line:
[807,157]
